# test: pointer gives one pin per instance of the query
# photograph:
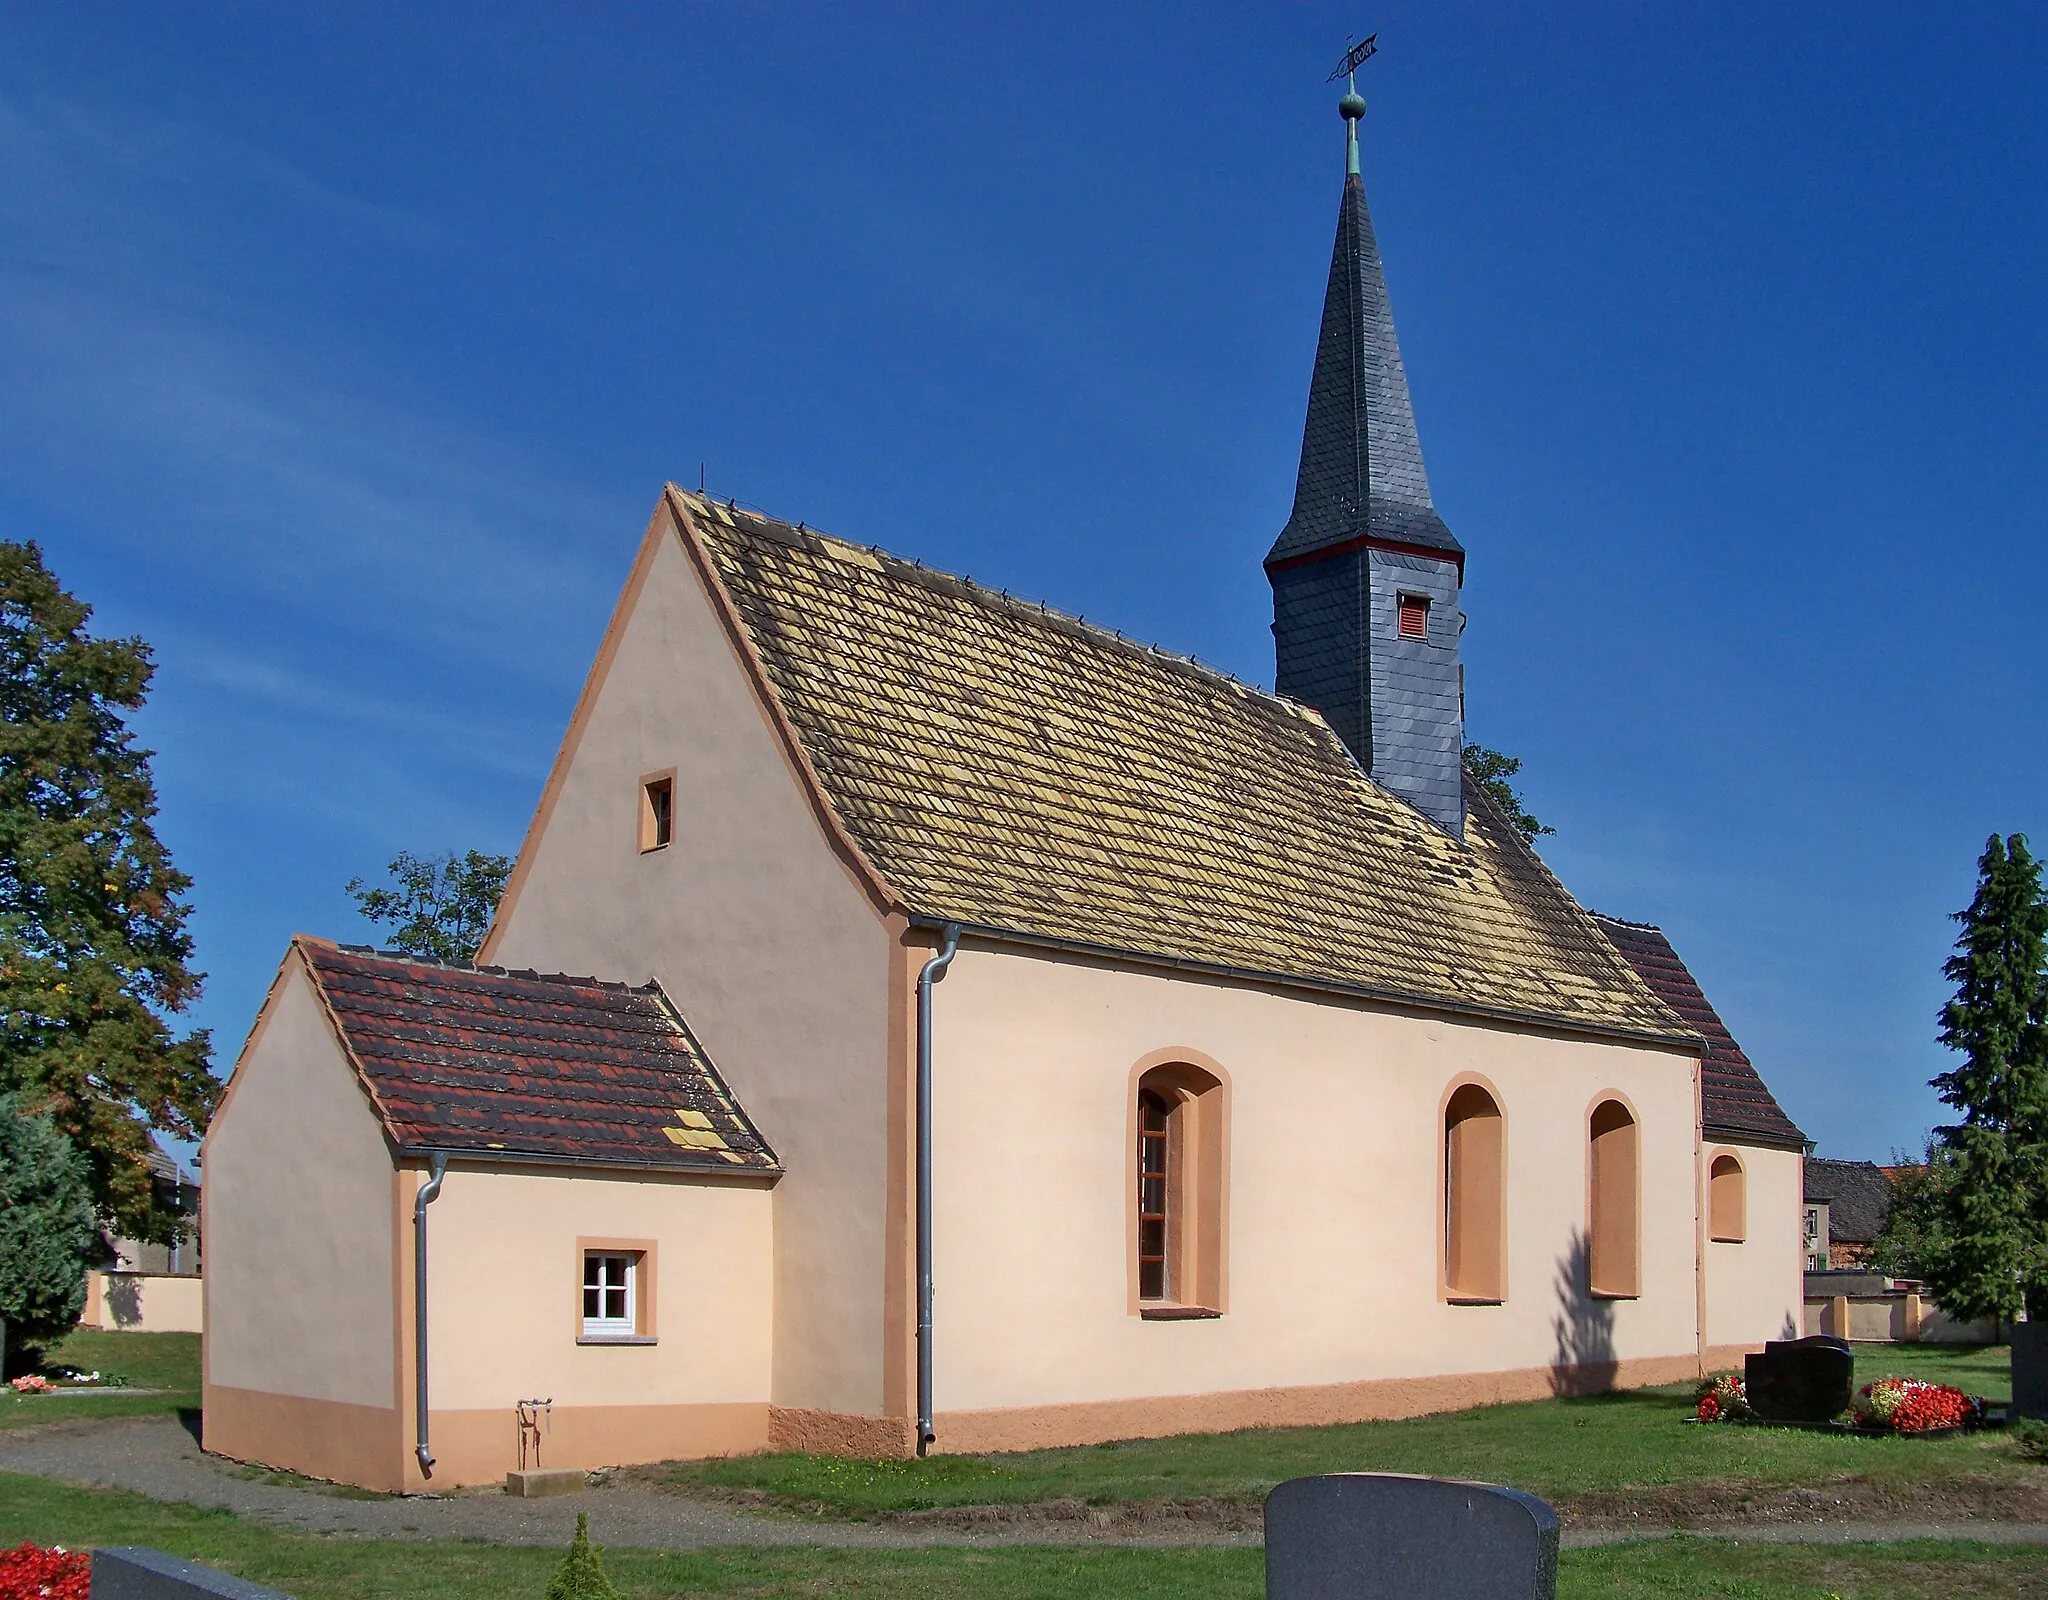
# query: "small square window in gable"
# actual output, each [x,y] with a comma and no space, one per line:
[657,811]
[1415,616]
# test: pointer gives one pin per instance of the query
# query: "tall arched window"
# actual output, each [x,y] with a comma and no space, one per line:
[1475,1254]
[1613,1256]
[1177,1176]
[1727,1199]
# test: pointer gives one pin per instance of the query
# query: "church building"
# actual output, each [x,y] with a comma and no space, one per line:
[981,1031]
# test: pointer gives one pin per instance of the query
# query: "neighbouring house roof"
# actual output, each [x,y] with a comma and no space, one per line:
[1735,1103]
[1858,1197]
[484,1061]
[1003,766]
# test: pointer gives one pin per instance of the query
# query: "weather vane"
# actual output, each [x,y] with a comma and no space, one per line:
[1356,57]
[1352,106]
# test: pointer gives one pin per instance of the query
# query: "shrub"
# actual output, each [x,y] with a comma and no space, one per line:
[28,1572]
[2032,1439]
[47,1234]
[581,1575]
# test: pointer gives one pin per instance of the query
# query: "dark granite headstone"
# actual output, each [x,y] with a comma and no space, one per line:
[133,1572]
[1800,1380]
[1383,1535]
[2030,1369]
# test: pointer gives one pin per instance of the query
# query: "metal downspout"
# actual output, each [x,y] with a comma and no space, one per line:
[438,1166]
[930,973]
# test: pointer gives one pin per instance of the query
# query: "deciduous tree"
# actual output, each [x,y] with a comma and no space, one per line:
[93,949]
[439,906]
[1491,771]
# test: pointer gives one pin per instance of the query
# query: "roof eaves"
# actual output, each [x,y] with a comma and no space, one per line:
[555,1158]
[1681,1038]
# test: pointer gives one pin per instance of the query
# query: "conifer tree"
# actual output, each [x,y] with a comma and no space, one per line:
[47,1237]
[581,1575]
[93,947]
[1995,1191]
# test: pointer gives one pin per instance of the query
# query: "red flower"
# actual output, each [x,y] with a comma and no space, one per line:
[28,1572]
[1710,1408]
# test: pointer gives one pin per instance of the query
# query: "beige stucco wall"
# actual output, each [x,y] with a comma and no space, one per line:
[505,1273]
[1755,1289]
[298,1218]
[1332,1190]
[144,1302]
[758,932]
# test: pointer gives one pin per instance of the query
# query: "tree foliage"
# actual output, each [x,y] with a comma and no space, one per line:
[1491,771]
[47,1232]
[93,949]
[438,906]
[581,1575]
[1915,1240]
[1992,1214]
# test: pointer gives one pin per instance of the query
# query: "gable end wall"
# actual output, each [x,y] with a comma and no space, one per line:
[757,930]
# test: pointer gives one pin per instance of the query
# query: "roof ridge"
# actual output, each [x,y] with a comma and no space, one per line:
[803,536]
[1622,922]
[524,974]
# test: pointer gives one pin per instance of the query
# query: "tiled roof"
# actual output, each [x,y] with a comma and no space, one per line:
[486,1061]
[1734,1101]
[1858,1196]
[1006,767]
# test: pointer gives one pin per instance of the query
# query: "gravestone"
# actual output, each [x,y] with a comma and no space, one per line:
[1383,1535]
[133,1572]
[1800,1380]
[2030,1370]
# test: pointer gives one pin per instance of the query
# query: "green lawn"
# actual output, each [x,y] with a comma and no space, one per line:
[1552,1448]
[165,1361]
[333,1568]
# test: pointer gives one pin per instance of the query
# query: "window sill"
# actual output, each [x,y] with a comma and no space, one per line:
[616,1338]
[1614,1294]
[1727,1238]
[1172,1313]
[1475,1300]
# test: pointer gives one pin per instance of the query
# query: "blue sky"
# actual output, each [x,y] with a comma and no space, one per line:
[346,351]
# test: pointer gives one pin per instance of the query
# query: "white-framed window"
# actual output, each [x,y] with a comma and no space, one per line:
[610,1294]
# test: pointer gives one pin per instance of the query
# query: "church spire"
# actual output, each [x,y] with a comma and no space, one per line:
[1361,462]
[1365,574]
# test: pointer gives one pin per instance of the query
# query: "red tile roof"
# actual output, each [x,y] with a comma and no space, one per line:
[484,1061]
[1734,1101]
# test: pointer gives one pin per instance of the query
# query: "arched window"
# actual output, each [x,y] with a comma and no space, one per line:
[1727,1199]
[1475,1255]
[1178,1182]
[1613,1258]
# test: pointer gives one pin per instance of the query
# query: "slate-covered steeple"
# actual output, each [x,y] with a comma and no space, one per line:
[1365,575]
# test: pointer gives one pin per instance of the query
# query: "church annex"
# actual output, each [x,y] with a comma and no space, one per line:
[1003,1034]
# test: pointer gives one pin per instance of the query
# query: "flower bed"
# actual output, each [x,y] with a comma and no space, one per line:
[32,1383]
[1908,1405]
[28,1572]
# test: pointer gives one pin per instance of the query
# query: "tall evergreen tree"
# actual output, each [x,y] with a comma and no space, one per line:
[47,1237]
[93,947]
[1995,1190]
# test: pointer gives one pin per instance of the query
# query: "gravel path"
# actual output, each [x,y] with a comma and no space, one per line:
[156,1457]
